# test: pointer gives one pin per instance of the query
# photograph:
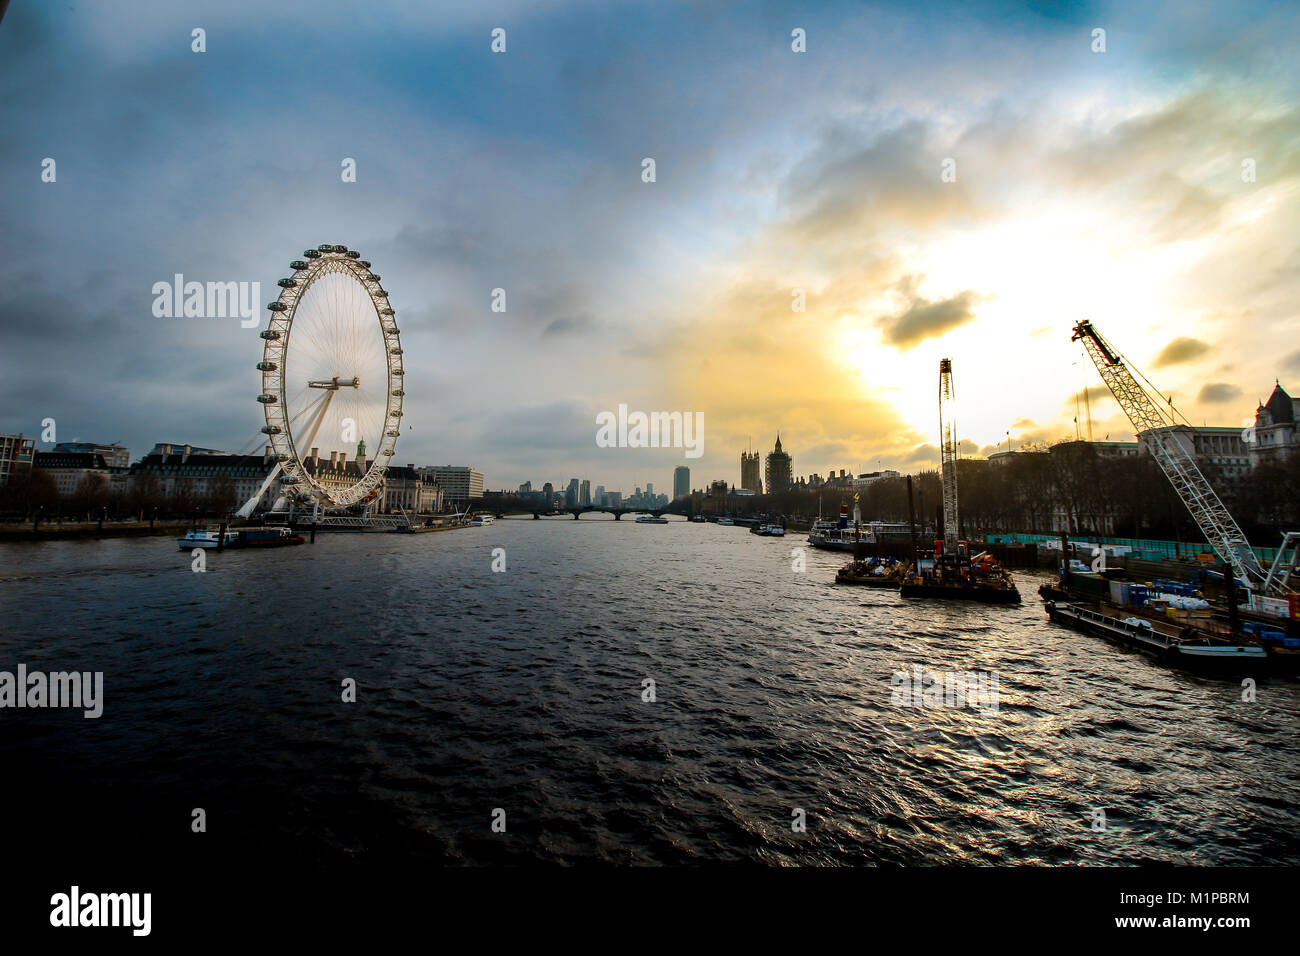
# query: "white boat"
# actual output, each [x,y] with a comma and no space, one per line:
[202,538]
[479,521]
[726,521]
[650,519]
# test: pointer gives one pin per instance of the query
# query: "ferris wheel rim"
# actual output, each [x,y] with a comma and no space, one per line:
[325,260]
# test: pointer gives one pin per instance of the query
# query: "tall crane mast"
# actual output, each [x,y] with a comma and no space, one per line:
[948,455]
[1175,460]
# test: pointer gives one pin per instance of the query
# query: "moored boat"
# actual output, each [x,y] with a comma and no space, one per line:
[268,536]
[874,573]
[1185,646]
[651,519]
[203,538]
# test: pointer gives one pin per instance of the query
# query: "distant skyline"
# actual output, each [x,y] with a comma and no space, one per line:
[1106,185]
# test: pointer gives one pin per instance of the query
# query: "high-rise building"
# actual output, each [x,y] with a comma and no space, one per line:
[16,455]
[780,469]
[460,483]
[584,494]
[599,497]
[749,477]
[526,488]
[681,482]
[571,494]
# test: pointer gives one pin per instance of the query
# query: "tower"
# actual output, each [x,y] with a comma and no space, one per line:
[780,469]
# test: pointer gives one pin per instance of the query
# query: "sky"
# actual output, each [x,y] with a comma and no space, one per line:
[1102,185]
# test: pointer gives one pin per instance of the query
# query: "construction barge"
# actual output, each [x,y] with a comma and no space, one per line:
[951,573]
[1182,647]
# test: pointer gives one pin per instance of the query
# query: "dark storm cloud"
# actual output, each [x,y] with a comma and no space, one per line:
[1217,393]
[923,318]
[1180,350]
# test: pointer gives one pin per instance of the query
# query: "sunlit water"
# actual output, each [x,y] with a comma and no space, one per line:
[523,691]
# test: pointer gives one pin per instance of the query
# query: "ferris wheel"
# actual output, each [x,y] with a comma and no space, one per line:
[332,378]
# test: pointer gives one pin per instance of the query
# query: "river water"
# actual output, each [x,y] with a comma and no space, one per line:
[518,696]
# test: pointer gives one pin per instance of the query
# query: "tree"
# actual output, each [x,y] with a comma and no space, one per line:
[27,490]
[90,495]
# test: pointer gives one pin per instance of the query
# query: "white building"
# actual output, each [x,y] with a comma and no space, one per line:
[459,483]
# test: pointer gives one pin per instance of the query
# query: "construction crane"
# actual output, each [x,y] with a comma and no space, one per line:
[948,455]
[1177,462]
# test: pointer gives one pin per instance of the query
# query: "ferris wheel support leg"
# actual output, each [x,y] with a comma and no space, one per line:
[251,504]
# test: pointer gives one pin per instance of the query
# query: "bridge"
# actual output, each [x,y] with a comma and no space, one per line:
[590,509]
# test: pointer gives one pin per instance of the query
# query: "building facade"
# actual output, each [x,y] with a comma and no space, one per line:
[1274,438]
[16,455]
[749,477]
[69,469]
[114,455]
[460,483]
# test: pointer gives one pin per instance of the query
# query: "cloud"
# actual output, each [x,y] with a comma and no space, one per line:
[1217,393]
[1292,362]
[923,318]
[1180,350]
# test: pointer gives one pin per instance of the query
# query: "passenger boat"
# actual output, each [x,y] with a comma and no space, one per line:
[268,536]
[726,522]
[874,573]
[697,519]
[1186,646]
[478,521]
[768,530]
[839,539]
[202,538]
[651,519]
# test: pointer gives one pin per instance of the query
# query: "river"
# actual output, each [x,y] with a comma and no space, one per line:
[519,697]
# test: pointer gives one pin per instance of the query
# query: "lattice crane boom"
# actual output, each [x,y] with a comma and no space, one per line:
[1174,459]
[948,455]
